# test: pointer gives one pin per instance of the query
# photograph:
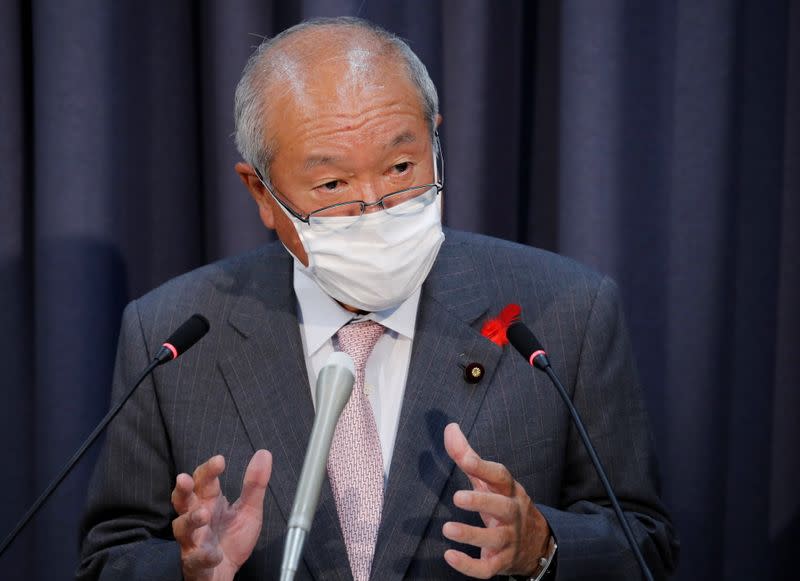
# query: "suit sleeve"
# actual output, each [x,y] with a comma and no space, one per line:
[126,531]
[591,543]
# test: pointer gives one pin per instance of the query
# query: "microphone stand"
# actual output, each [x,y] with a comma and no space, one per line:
[74,460]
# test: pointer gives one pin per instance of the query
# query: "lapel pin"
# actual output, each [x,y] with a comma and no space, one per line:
[473,371]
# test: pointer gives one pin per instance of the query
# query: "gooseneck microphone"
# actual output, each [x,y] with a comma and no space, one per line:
[182,339]
[524,341]
[334,386]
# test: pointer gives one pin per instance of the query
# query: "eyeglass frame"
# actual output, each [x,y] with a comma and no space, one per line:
[439,185]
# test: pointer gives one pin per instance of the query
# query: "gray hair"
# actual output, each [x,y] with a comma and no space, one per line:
[251,106]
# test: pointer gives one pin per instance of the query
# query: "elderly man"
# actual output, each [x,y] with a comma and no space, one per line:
[432,474]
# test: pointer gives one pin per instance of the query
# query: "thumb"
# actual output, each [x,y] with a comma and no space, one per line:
[256,478]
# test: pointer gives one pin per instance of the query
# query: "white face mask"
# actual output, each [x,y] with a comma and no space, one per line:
[380,260]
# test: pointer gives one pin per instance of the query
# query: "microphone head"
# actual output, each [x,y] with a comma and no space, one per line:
[335,383]
[339,359]
[187,334]
[526,343]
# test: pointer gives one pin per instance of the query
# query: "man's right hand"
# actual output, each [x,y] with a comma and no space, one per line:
[217,537]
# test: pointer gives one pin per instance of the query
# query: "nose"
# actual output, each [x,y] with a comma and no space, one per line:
[370,195]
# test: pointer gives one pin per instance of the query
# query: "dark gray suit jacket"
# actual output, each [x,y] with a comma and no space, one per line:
[245,387]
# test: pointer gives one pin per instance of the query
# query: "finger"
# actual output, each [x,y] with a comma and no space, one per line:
[184,526]
[461,452]
[493,504]
[479,568]
[495,538]
[458,448]
[183,493]
[493,474]
[256,478]
[206,477]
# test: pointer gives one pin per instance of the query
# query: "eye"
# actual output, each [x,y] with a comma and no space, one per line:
[332,185]
[401,168]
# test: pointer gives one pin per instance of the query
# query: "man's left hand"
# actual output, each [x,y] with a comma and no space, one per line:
[515,534]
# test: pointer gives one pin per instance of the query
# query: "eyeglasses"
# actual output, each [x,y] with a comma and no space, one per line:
[405,202]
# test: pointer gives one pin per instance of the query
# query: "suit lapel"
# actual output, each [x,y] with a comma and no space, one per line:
[436,394]
[267,378]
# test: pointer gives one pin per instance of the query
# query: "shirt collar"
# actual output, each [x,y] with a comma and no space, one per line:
[321,316]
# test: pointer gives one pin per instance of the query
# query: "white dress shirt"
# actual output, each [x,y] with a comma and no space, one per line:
[320,317]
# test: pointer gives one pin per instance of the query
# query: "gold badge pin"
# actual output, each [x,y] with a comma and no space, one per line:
[473,372]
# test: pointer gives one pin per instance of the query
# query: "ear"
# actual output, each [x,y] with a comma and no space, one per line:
[262,198]
[439,120]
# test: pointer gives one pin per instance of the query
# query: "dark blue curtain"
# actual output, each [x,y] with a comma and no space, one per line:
[657,141]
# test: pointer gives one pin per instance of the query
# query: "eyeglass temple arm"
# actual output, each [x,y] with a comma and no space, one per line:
[272,193]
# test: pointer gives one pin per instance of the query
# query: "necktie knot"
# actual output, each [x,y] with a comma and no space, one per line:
[358,340]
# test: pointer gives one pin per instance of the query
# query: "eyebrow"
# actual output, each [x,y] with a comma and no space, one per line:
[316,160]
[403,138]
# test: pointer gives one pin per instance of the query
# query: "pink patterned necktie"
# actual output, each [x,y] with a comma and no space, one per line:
[355,464]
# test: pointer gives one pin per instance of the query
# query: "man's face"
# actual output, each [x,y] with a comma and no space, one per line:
[344,131]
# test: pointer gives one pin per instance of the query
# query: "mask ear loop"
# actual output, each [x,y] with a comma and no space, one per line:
[438,171]
[438,161]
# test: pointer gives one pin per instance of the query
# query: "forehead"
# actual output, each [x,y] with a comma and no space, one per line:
[342,93]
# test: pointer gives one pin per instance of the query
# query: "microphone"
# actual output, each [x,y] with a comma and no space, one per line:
[334,386]
[526,343]
[182,339]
